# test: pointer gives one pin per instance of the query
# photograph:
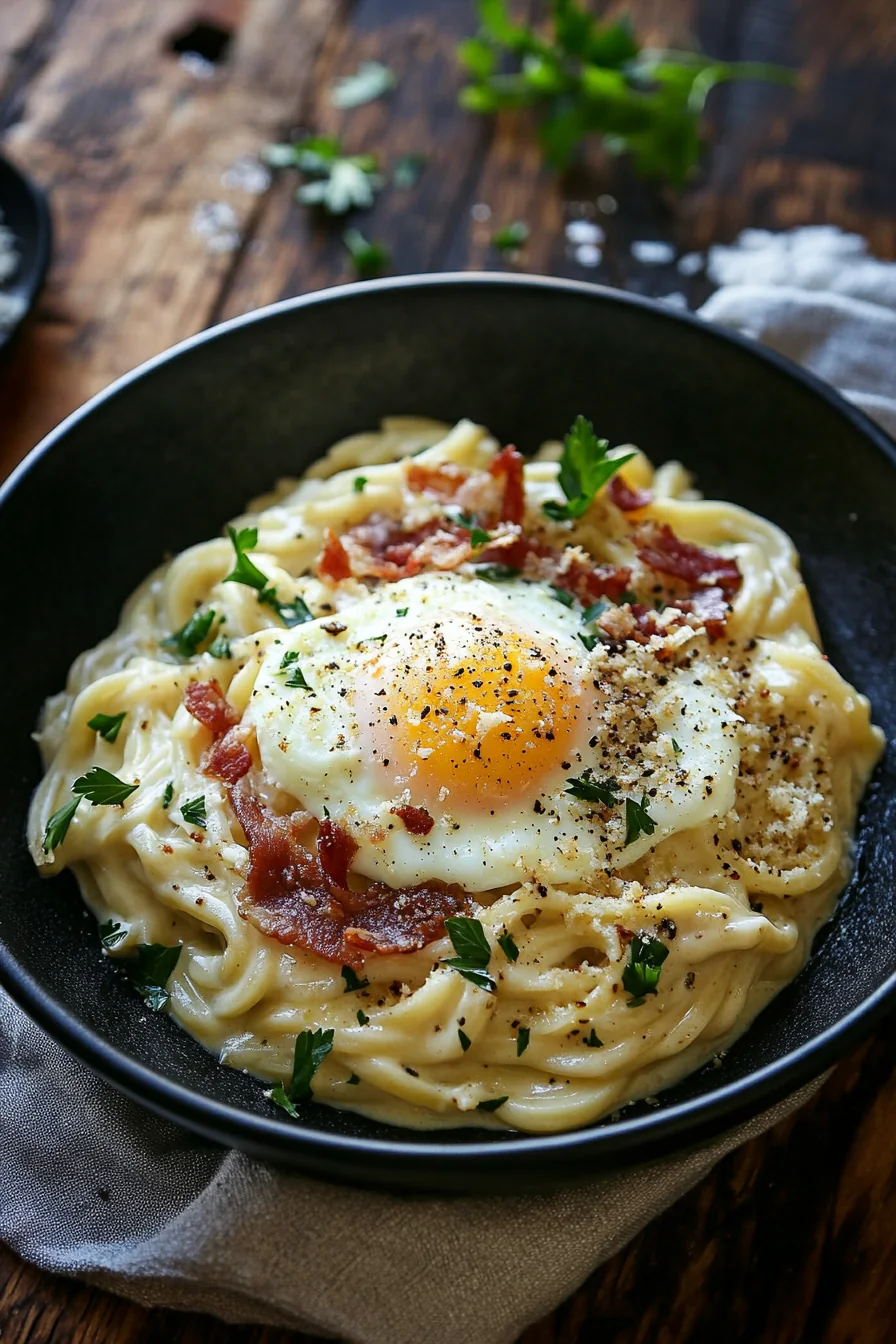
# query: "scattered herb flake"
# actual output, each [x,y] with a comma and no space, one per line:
[522,1041]
[363,1019]
[676,748]
[369,259]
[151,971]
[496,573]
[168,794]
[493,1104]
[593,1041]
[296,680]
[479,538]
[638,820]
[591,790]
[508,946]
[312,1048]
[473,951]
[358,484]
[590,641]
[289,657]
[220,648]
[351,980]
[561,595]
[112,933]
[100,786]
[511,237]
[193,812]
[641,975]
[186,641]
[107,725]
[464,1039]
[352,1080]
[401,611]
[245,570]
[57,826]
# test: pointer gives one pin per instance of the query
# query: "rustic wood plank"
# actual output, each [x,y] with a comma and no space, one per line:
[129,143]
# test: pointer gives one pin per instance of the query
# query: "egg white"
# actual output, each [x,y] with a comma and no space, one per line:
[312,745]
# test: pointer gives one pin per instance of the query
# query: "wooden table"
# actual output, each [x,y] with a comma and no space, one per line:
[793,1238]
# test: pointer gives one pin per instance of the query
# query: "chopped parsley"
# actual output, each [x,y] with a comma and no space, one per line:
[351,980]
[591,790]
[245,571]
[628,598]
[289,657]
[638,820]
[335,181]
[561,595]
[369,259]
[358,484]
[220,648]
[676,748]
[168,794]
[493,1104]
[193,812]
[464,1039]
[479,538]
[641,975]
[593,1041]
[596,610]
[107,725]
[375,639]
[352,1080]
[57,826]
[590,641]
[522,1041]
[508,946]
[510,237]
[408,170]
[473,951]
[296,680]
[370,81]
[584,468]
[312,1048]
[496,573]
[401,611]
[100,786]
[112,933]
[363,1019]
[185,642]
[151,971]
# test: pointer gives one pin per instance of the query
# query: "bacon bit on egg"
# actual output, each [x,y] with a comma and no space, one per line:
[625,498]
[416,819]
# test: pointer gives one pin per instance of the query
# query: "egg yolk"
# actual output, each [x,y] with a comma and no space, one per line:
[466,715]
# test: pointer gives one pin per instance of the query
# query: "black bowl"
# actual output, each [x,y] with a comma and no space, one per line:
[170,452]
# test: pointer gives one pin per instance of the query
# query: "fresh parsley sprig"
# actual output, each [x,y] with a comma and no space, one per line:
[245,571]
[638,820]
[335,181]
[590,790]
[584,468]
[100,786]
[186,641]
[473,951]
[370,81]
[312,1048]
[193,812]
[352,980]
[591,77]
[641,975]
[151,970]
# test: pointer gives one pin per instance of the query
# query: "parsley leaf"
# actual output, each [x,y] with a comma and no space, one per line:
[638,820]
[112,933]
[107,725]
[508,946]
[464,1039]
[593,77]
[590,641]
[492,1105]
[593,1041]
[370,81]
[336,182]
[245,571]
[358,484]
[561,595]
[408,170]
[168,794]
[220,648]
[522,1041]
[641,975]
[151,972]
[294,612]
[473,951]
[101,786]
[193,812]
[496,573]
[401,611]
[591,790]
[186,641]
[296,680]
[351,980]
[368,259]
[511,237]
[352,1080]
[584,468]
[312,1048]
[479,538]
[57,826]
[363,1019]
[676,748]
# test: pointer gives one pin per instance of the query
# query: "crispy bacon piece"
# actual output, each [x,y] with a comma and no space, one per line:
[229,759]
[663,551]
[626,499]
[381,548]
[333,562]
[299,899]
[711,606]
[441,479]
[416,819]
[335,851]
[509,465]
[206,702]
[589,583]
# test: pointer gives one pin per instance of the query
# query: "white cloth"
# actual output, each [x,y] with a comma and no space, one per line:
[92,1185]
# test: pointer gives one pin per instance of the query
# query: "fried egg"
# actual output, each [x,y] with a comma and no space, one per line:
[479,705]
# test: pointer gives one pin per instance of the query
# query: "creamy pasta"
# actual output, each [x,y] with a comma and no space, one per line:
[599,737]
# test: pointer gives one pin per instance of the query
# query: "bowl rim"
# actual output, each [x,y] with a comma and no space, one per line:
[679,1121]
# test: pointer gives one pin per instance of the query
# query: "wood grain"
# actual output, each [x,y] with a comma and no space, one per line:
[793,1238]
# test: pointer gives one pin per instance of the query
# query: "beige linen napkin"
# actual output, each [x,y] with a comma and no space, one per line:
[92,1185]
